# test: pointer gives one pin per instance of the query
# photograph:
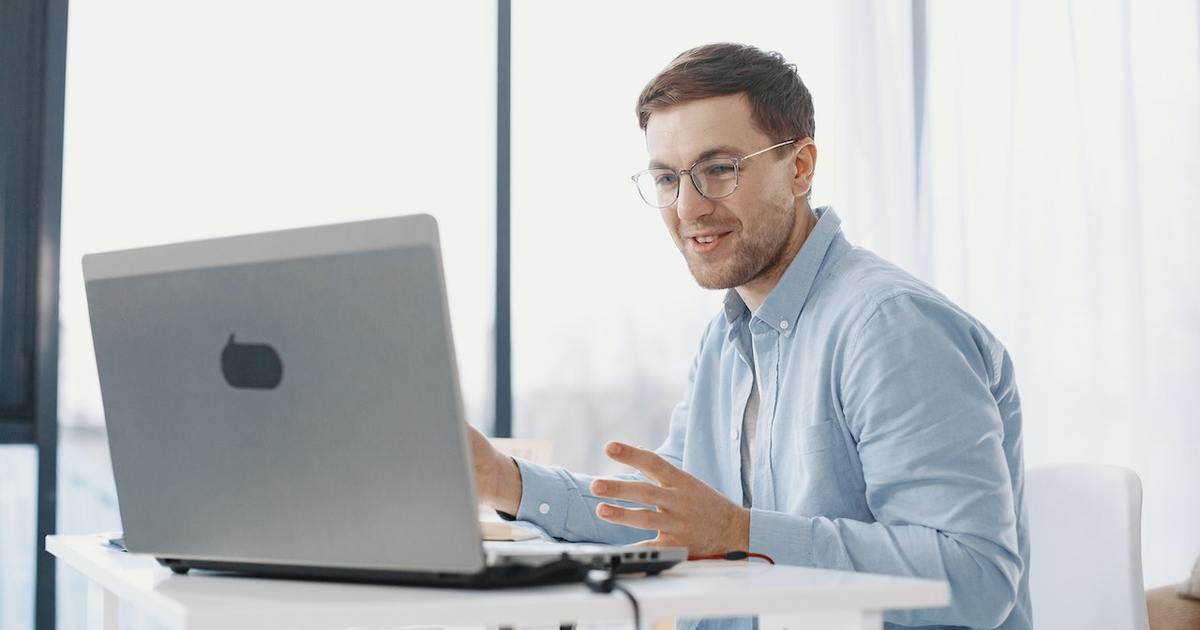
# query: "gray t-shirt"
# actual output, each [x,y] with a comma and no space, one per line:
[749,429]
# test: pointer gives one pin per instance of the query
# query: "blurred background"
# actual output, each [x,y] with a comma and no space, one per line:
[1035,161]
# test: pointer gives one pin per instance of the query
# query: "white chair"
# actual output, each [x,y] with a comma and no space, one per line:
[1085,547]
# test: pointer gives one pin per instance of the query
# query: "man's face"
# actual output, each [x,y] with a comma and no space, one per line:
[753,225]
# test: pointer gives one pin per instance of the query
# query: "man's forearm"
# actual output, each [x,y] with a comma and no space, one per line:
[984,574]
[506,486]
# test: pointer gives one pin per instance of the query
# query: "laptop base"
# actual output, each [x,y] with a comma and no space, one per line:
[564,570]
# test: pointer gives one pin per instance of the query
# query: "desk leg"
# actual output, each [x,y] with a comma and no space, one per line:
[101,608]
[824,620]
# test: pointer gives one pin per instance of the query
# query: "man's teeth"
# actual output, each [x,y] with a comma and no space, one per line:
[705,239]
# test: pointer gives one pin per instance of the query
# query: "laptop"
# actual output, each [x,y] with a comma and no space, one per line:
[288,404]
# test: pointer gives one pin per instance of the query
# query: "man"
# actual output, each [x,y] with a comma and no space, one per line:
[840,413]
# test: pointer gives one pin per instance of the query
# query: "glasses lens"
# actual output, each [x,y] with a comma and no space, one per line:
[716,178]
[658,187]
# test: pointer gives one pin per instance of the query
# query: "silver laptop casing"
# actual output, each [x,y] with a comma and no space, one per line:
[356,458]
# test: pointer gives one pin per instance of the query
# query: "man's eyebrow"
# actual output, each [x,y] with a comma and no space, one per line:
[724,149]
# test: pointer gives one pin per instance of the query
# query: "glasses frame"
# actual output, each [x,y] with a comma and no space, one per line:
[689,171]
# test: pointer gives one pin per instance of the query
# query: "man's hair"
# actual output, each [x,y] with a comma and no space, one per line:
[781,106]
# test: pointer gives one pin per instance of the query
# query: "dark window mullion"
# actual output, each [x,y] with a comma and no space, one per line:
[502,425]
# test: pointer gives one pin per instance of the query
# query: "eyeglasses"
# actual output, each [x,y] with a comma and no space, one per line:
[715,178]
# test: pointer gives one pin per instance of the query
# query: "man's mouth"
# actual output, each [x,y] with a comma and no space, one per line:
[704,243]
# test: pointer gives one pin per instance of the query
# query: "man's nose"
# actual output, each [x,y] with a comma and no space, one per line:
[691,204]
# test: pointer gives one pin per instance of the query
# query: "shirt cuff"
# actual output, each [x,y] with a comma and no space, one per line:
[545,498]
[786,539]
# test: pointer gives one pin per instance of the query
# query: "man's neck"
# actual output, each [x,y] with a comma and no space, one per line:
[755,292]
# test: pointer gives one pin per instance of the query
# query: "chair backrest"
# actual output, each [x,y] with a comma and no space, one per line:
[1085,547]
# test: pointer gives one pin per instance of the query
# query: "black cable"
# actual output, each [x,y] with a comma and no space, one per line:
[637,613]
[605,581]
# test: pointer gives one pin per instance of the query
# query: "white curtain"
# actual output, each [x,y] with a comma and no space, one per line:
[1060,179]
[1055,198]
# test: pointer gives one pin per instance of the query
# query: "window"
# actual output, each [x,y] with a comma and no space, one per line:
[18,469]
[192,120]
[200,119]
[606,316]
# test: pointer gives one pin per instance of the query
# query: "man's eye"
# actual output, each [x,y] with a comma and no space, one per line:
[719,170]
[667,179]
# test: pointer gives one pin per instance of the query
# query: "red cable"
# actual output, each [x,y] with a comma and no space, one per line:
[734,555]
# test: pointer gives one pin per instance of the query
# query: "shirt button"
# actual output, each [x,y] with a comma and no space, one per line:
[783,324]
[544,508]
[733,434]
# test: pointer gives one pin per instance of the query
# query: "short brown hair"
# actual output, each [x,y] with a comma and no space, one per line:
[782,106]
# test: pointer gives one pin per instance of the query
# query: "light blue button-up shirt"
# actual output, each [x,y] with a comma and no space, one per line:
[888,439]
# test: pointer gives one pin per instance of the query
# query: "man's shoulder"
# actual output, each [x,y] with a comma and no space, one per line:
[862,282]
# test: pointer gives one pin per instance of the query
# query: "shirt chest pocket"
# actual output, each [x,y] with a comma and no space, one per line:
[818,437]
[821,472]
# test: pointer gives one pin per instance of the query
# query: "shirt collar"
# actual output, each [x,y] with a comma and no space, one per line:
[782,307]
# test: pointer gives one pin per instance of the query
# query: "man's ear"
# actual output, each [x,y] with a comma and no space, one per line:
[806,167]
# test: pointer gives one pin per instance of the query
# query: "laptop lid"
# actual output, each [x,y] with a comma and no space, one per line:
[288,397]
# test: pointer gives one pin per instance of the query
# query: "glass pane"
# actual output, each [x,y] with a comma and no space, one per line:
[606,317]
[190,120]
[266,115]
[18,534]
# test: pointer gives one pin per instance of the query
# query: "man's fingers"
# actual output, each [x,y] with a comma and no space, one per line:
[648,462]
[636,491]
[641,518]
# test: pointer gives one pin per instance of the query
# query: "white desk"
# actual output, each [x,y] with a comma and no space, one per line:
[791,597]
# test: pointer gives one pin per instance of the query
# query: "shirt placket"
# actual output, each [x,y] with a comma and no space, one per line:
[743,378]
[766,357]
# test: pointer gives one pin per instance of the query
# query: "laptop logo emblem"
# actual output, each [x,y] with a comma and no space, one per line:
[251,365]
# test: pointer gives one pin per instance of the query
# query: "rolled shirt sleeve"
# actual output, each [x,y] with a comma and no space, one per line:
[558,501]
[561,503]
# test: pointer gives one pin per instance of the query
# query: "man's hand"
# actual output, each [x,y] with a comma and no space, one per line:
[689,512]
[496,475]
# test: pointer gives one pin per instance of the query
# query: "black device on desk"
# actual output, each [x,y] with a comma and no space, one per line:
[288,404]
